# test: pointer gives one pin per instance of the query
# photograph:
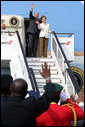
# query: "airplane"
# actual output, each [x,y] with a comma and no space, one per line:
[15,60]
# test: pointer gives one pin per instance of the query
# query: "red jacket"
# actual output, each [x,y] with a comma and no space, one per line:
[58,115]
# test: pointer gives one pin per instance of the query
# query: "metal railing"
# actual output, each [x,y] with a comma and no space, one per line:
[63,63]
[29,71]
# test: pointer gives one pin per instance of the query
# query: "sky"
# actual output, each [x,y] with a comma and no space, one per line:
[63,16]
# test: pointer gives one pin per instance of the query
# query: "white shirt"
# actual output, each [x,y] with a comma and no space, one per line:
[44,30]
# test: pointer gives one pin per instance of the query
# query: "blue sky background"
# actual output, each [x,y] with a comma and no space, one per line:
[63,16]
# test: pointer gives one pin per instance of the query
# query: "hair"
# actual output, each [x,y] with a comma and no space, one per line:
[43,16]
[36,12]
[19,87]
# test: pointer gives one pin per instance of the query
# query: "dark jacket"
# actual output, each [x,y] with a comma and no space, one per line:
[33,28]
[18,111]
[3,99]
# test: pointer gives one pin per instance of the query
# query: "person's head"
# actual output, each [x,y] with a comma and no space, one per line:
[36,15]
[57,90]
[6,81]
[43,19]
[19,87]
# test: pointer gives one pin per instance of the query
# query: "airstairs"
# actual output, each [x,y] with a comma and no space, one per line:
[28,68]
[36,65]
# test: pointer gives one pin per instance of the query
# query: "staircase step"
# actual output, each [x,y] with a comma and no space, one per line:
[52,76]
[41,90]
[43,80]
[40,85]
[40,67]
[40,60]
[40,64]
[53,72]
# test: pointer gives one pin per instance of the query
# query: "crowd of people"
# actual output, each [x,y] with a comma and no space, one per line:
[35,110]
[37,32]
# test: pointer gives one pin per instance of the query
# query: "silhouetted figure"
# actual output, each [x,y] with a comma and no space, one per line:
[32,33]
[6,81]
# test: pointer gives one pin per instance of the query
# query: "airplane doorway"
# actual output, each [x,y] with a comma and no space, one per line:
[5,71]
[5,67]
[26,25]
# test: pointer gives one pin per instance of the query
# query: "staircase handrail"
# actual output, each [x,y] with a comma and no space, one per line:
[31,75]
[69,71]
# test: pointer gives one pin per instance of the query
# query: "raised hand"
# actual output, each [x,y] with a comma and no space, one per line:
[45,71]
[32,6]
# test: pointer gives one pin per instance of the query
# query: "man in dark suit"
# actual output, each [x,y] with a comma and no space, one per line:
[21,111]
[32,33]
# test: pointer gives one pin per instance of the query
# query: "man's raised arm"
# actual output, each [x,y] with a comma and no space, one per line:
[42,104]
[31,15]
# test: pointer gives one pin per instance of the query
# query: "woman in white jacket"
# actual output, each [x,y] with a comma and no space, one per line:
[43,36]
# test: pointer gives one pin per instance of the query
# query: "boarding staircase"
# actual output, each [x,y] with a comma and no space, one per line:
[36,65]
[28,68]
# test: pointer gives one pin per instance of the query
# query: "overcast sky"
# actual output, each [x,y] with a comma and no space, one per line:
[63,16]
